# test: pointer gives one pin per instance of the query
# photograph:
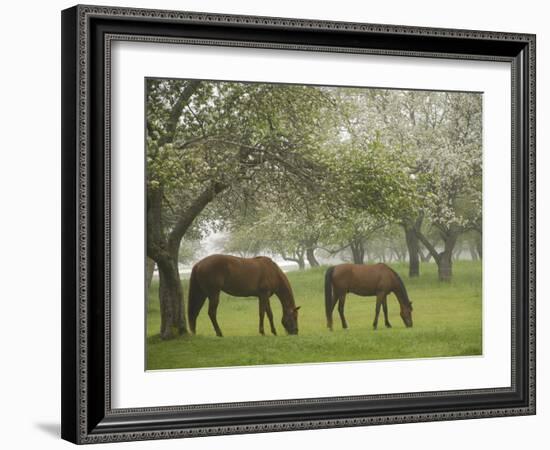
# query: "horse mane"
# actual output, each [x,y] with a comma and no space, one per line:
[403,289]
[282,276]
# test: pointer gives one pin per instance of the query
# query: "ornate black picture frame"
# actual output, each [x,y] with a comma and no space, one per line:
[87,34]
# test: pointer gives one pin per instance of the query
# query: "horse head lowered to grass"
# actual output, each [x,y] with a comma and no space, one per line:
[241,277]
[365,280]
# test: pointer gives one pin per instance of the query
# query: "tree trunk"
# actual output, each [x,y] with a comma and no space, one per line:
[397,255]
[444,259]
[425,257]
[310,254]
[456,254]
[445,266]
[163,249]
[162,246]
[150,272]
[357,252]
[414,254]
[298,258]
[172,321]
[473,252]
[479,246]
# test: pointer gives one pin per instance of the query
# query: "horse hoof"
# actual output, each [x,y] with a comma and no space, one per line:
[388,325]
[374,327]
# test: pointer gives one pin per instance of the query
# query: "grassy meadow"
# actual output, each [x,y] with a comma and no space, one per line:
[447,322]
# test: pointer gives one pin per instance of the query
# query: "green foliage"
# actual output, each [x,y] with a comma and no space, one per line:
[188,250]
[292,167]
[370,179]
[249,137]
[439,134]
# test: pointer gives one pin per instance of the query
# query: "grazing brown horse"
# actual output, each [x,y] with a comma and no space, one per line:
[241,277]
[366,280]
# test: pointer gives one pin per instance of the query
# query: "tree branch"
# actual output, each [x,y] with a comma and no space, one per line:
[290,163]
[428,245]
[187,218]
[177,110]
[288,258]
[333,252]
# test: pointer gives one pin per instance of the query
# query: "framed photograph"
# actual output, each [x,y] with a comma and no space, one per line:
[281,224]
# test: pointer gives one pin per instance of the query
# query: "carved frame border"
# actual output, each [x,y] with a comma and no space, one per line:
[76,424]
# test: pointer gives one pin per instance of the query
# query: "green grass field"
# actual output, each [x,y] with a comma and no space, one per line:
[447,322]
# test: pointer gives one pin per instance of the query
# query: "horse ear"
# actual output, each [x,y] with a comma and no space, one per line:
[297,308]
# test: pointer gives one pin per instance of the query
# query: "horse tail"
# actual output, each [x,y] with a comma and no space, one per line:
[404,296]
[328,292]
[196,299]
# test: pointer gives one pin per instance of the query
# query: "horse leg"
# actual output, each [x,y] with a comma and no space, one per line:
[335,297]
[262,303]
[385,308]
[379,300]
[270,317]
[213,301]
[341,303]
